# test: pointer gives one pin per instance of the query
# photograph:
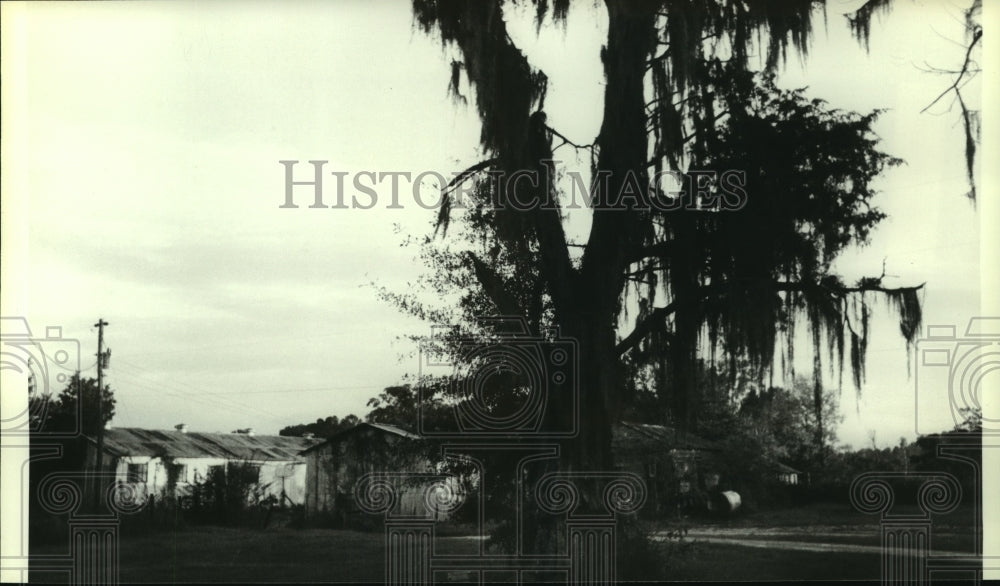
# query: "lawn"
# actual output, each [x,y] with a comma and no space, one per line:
[222,554]
[733,563]
[216,554]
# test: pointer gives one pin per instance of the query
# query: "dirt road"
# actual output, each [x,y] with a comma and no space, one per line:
[815,539]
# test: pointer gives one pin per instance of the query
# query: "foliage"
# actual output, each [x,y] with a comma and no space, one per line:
[788,424]
[698,276]
[958,451]
[400,405]
[759,267]
[972,420]
[227,493]
[322,428]
[66,412]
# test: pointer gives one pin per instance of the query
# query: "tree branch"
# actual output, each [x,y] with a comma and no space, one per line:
[978,34]
[656,319]
[466,174]
[494,287]
[568,141]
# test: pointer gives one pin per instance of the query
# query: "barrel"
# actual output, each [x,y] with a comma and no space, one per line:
[726,501]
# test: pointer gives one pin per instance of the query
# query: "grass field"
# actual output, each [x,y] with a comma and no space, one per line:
[229,555]
[315,555]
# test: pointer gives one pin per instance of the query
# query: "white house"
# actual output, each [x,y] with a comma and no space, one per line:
[788,475]
[161,462]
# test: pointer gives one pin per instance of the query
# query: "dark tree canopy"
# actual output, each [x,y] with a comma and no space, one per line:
[321,428]
[660,288]
[66,414]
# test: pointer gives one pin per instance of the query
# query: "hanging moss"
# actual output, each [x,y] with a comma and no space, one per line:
[860,20]
[906,303]
[740,279]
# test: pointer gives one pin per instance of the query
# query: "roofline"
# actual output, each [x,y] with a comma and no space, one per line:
[106,447]
[120,454]
[358,426]
[710,446]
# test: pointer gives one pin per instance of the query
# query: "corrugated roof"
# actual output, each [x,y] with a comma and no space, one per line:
[785,468]
[130,441]
[658,435]
[393,429]
[363,425]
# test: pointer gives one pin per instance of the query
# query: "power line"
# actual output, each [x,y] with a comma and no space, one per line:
[202,393]
[242,344]
[183,391]
[300,390]
[146,386]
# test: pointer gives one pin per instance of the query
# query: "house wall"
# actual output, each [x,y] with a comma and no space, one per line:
[156,480]
[789,478]
[289,477]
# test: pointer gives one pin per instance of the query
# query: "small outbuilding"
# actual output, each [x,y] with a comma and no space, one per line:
[679,468]
[787,475]
[334,467]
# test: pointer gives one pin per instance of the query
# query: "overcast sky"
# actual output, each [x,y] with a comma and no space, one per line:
[142,185]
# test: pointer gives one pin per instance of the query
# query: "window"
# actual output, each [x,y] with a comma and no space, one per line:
[181,471]
[138,473]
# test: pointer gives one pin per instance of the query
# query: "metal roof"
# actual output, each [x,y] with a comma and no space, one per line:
[658,435]
[364,425]
[785,468]
[130,441]
[393,429]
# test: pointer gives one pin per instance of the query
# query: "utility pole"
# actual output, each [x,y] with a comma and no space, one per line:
[100,412]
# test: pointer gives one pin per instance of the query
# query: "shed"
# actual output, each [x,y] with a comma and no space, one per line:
[334,466]
[787,475]
[676,466]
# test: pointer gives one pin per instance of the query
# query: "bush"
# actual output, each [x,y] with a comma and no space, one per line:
[230,494]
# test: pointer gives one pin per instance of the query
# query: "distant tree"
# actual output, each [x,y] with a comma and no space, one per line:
[395,405]
[322,428]
[400,405]
[66,412]
[782,423]
[972,420]
[71,412]
[957,451]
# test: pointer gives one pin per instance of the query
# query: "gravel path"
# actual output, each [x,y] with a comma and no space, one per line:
[785,538]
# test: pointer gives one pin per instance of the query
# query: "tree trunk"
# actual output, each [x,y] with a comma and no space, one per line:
[587,308]
[622,147]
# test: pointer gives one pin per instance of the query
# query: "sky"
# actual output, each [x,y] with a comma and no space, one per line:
[142,185]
